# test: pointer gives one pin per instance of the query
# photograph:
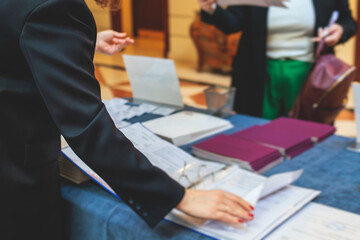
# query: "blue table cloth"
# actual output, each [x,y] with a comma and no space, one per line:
[328,166]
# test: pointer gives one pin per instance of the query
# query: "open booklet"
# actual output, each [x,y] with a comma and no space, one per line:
[260,3]
[278,200]
[275,201]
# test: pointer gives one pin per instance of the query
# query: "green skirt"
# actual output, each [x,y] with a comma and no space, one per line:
[285,79]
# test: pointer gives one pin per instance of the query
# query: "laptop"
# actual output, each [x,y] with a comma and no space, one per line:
[153,80]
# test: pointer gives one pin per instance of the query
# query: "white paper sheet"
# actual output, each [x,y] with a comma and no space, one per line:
[356,94]
[261,3]
[180,165]
[153,79]
[319,222]
[277,181]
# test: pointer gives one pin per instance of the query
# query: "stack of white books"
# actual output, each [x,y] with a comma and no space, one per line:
[185,127]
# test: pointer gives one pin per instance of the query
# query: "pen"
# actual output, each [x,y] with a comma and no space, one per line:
[334,17]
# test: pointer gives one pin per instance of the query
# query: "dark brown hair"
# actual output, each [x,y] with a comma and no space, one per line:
[112,4]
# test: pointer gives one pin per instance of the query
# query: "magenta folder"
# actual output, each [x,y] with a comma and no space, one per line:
[290,144]
[233,150]
[317,131]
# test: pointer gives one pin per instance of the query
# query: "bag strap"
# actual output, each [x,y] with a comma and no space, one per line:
[320,48]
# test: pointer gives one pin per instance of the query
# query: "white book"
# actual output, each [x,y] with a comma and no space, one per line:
[185,127]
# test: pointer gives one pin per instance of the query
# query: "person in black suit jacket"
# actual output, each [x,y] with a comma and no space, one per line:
[250,66]
[48,88]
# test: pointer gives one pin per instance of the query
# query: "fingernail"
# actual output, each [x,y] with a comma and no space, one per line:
[252,208]
[240,220]
[251,215]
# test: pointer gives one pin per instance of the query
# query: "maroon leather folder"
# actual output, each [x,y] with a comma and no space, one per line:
[233,150]
[289,144]
[317,131]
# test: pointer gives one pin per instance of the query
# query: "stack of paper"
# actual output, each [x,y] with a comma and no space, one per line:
[316,131]
[288,143]
[232,150]
[186,126]
[70,171]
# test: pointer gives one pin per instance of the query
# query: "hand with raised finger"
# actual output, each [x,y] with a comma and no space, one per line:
[110,42]
[216,205]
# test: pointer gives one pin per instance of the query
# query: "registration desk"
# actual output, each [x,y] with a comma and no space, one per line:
[328,166]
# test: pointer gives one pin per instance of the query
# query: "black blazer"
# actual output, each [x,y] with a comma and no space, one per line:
[47,87]
[249,64]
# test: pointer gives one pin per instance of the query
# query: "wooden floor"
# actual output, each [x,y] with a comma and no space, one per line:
[114,81]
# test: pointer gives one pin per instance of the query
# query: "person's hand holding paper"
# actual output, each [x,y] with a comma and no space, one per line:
[260,3]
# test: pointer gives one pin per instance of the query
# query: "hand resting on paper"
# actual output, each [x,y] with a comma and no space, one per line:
[110,42]
[216,205]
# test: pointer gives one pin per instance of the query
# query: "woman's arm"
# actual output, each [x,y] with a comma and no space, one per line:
[58,41]
[110,42]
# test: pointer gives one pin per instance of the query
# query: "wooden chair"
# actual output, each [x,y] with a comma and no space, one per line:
[216,50]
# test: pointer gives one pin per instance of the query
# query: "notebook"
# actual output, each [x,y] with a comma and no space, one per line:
[289,144]
[186,126]
[153,80]
[232,150]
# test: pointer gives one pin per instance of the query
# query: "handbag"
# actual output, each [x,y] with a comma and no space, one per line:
[324,91]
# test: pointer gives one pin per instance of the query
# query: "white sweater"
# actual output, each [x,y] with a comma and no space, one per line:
[290,31]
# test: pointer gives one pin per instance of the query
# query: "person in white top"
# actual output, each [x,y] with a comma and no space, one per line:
[276,50]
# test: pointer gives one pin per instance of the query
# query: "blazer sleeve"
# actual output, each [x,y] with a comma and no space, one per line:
[230,20]
[57,41]
[346,20]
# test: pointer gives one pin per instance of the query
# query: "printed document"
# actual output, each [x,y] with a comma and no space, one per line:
[318,222]
[260,3]
[180,165]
